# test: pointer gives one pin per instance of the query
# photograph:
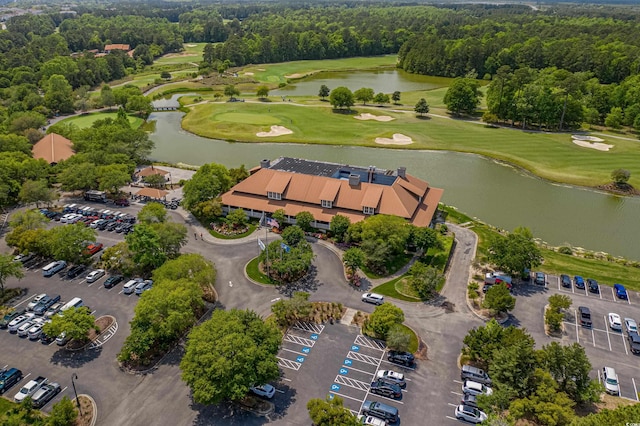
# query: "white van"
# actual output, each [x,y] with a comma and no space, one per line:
[610,381]
[76,302]
[53,268]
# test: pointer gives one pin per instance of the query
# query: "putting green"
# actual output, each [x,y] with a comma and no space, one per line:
[247,118]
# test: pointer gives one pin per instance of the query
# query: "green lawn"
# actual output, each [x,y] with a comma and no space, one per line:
[280,72]
[551,156]
[192,53]
[86,120]
[389,289]
[413,339]
[253,271]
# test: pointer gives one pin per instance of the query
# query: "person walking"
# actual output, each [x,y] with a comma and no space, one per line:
[195,235]
[201,236]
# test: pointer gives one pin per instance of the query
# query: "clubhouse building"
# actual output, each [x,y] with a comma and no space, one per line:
[327,189]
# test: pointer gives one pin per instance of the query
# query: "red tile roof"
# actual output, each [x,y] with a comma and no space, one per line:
[110,47]
[53,148]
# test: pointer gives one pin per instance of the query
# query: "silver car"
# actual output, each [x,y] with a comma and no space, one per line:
[16,323]
[23,330]
[35,301]
[95,275]
[470,414]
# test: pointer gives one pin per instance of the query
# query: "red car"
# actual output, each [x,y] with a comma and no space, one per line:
[123,202]
[93,249]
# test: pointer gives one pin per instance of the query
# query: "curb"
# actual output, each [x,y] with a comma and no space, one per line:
[482,317]
[94,407]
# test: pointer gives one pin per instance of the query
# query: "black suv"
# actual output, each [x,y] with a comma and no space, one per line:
[383,388]
[634,342]
[113,280]
[75,271]
[585,316]
[402,358]
[566,280]
[593,285]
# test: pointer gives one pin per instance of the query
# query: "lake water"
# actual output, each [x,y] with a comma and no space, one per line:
[495,193]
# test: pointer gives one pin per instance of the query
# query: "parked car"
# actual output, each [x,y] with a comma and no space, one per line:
[113,280]
[24,258]
[9,378]
[45,394]
[53,268]
[615,322]
[143,286]
[630,325]
[130,286]
[10,316]
[475,388]
[475,374]
[584,315]
[123,202]
[95,223]
[112,225]
[402,358]
[621,292]
[36,330]
[392,377]
[387,389]
[30,388]
[265,390]
[634,342]
[95,275]
[470,414]
[45,339]
[17,322]
[579,282]
[45,304]
[62,339]
[376,299]
[92,249]
[35,301]
[593,285]
[380,410]
[76,271]
[23,330]
[470,400]
[371,421]
[541,278]
[610,381]
[102,226]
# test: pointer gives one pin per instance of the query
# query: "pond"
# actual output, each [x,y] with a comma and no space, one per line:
[493,192]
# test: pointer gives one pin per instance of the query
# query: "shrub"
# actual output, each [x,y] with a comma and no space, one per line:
[565,250]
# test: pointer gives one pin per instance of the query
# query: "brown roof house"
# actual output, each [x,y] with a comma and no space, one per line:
[109,47]
[326,189]
[53,148]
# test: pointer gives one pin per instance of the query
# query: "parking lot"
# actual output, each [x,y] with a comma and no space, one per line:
[605,292]
[336,360]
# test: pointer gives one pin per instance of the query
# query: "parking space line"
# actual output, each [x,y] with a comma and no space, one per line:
[25,300]
[363,358]
[599,291]
[367,394]
[628,299]
[286,380]
[295,352]
[624,344]
[575,314]
[356,384]
[358,370]
[350,397]
[456,393]
[613,294]
[298,340]
[608,338]
[593,336]
[309,327]
[369,343]
[458,381]
[453,405]
[292,365]
[635,390]
[451,418]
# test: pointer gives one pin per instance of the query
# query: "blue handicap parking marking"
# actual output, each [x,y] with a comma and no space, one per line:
[355,348]
[306,350]
[300,359]
[343,371]
[314,337]
[348,362]
[335,387]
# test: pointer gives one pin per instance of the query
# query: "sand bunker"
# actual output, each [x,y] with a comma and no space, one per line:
[398,139]
[296,75]
[367,116]
[248,73]
[192,45]
[275,131]
[591,142]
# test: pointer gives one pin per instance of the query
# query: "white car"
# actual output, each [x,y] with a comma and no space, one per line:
[36,330]
[615,322]
[475,388]
[23,330]
[376,299]
[15,324]
[470,414]
[95,223]
[264,390]
[35,301]
[393,377]
[95,275]
[130,286]
[371,421]
[630,325]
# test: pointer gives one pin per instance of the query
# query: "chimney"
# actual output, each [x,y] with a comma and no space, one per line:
[354,179]
[371,172]
[402,172]
[264,164]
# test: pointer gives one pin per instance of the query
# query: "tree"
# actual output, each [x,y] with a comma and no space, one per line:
[364,94]
[209,370]
[424,280]
[513,367]
[481,342]
[237,218]
[304,220]
[155,181]
[279,216]
[422,107]
[395,97]
[238,174]
[559,301]
[146,247]
[620,176]
[463,96]
[330,412]
[393,230]
[8,269]
[139,104]
[119,258]
[191,266]
[381,98]
[515,252]
[36,191]
[383,318]
[106,96]
[570,366]
[339,226]
[289,311]
[113,177]
[63,413]
[68,242]
[152,213]
[353,259]
[172,236]
[499,299]
[165,75]
[81,176]
[210,181]
[231,91]
[76,323]
[28,219]
[263,92]
[398,339]
[424,238]
[615,118]
[293,235]
[324,92]
[341,97]
[286,266]
[58,94]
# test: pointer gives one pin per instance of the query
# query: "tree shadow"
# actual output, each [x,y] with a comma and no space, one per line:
[309,283]
[527,290]
[423,117]
[77,359]
[344,111]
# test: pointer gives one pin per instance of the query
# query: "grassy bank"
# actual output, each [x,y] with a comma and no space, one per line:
[605,271]
[87,120]
[551,156]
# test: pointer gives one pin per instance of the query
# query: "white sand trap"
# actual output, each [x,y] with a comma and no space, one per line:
[586,138]
[398,139]
[248,73]
[367,116]
[296,75]
[594,145]
[261,69]
[275,131]
[192,45]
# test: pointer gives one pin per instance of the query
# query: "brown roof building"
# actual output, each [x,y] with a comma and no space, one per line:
[109,47]
[326,189]
[53,148]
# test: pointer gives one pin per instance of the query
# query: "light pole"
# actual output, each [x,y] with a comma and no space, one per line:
[75,376]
